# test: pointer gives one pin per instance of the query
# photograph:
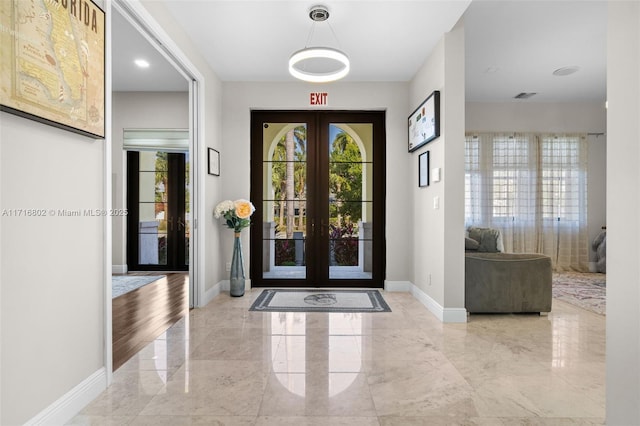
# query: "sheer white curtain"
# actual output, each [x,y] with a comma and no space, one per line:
[564,200]
[533,188]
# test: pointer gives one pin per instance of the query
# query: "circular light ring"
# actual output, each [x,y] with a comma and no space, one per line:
[314,53]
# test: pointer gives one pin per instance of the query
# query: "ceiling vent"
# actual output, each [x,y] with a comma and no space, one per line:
[524,95]
[561,72]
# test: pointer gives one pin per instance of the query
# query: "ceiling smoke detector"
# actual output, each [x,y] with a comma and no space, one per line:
[319,13]
[524,95]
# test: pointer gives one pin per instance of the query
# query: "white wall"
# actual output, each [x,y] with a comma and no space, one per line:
[566,117]
[438,234]
[240,98]
[623,214]
[138,110]
[211,268]
[52,269]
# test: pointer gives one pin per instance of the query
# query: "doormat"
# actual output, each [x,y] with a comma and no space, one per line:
[122,284]
[297,300]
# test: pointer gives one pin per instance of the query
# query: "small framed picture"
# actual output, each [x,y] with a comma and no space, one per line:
[424,122]
[214,162]
[423,169]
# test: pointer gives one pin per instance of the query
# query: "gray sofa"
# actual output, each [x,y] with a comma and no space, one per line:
[497,282]
[507,282]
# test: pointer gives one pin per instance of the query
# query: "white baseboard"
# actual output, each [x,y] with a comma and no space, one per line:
[397,286]
[226,284]
[446,315]
[455,315]
[71,403]
[211,294]
[119,269]
[223,285]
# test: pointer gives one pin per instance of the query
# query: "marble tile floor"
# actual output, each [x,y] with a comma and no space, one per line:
[224,365]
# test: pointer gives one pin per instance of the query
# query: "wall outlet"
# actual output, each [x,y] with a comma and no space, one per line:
[429,279]
[227,266]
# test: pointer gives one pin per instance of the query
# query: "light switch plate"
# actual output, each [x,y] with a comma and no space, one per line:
[435,174]
[436,202]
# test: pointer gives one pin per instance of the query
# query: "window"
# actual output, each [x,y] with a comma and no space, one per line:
[533,188]
[562,178]
[511,177]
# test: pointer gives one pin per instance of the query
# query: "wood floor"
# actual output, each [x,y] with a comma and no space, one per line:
[141,315]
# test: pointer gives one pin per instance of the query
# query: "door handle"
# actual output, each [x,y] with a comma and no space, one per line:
[170,222]
[181,224]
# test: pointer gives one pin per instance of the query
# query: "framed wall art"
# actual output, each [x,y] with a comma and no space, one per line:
[423,169]
[53,63]
[424,122]
[213,162]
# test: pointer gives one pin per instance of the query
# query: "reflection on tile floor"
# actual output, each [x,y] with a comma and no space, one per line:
[224,365]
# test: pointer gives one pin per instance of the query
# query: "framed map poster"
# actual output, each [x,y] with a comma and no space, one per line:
[52,67]
[424,122]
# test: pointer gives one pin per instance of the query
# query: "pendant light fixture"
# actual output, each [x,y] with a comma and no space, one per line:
[319,64]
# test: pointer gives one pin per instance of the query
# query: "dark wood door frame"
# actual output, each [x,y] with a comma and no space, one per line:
[318,130]
[176,244]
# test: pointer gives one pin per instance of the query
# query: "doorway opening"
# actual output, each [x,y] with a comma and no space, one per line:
[318,184]
[162,302]
[159,212]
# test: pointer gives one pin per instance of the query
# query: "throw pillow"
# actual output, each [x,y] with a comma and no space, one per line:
[471,244]
[490,239]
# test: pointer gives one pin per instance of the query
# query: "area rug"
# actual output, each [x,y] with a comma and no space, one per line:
[285,300]
[122,284]
[586,290]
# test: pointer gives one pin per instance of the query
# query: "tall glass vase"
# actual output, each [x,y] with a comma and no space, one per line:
[236,276]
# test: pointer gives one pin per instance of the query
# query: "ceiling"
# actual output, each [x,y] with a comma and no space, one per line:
[129,45]
[514,47]
[511,46]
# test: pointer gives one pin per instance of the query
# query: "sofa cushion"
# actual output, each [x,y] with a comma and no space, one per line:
[490,239]
[471,244]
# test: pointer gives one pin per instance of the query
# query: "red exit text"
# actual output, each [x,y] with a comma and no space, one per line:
[318,98]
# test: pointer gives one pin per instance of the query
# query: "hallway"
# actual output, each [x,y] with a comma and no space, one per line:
[225,365]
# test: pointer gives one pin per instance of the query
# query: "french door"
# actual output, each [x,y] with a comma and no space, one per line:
[158,223]
[318,184]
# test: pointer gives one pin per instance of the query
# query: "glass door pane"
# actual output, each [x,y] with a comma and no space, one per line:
[350,200]
[284,200]
[152,208]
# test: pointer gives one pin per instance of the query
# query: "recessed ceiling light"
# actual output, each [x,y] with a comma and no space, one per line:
[561,72]
[141,63]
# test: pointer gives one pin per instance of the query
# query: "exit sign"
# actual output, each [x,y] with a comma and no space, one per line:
[318,98]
